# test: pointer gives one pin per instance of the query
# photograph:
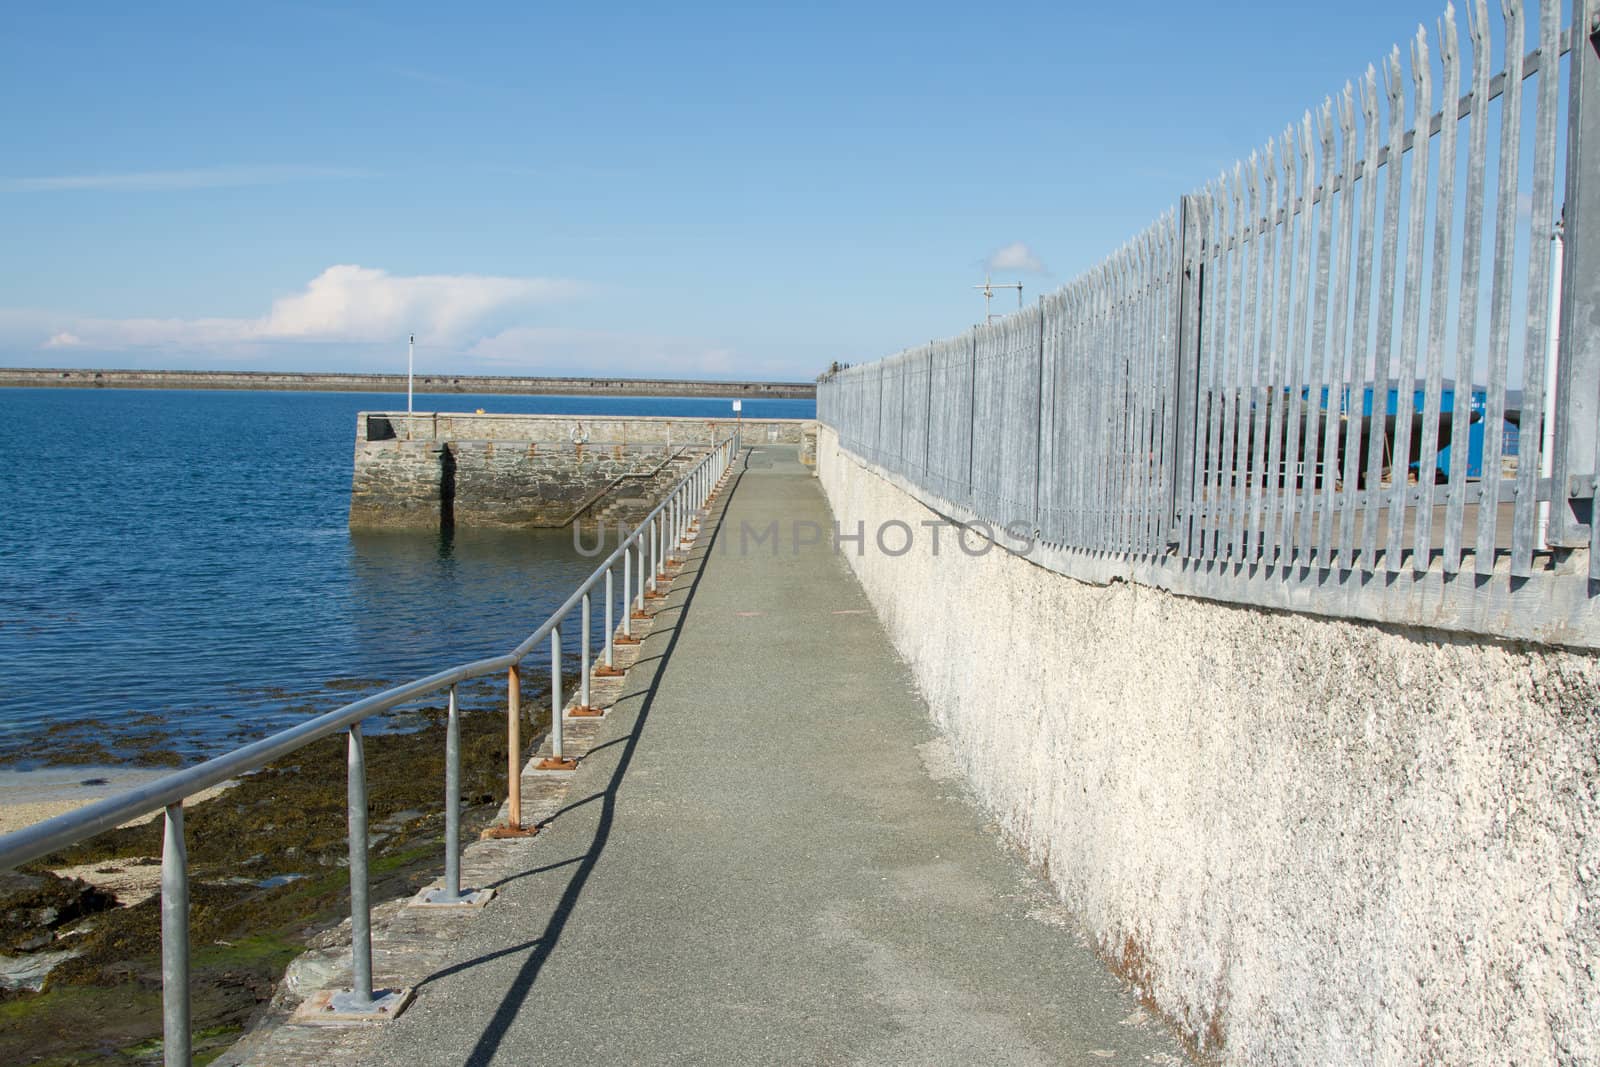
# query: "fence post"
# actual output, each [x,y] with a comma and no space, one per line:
[1044,409]
[1577,411]
[1186,365]
[972,416]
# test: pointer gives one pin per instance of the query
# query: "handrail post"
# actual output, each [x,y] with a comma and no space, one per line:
[659,570]
[360,913]
[583,642]
[451,894]
[627,588]
[655,557]
[557,760]
[610,600]
[555,692]
[514,743]
[361,1001]
[175,1048]
[640,549]
[452,800]
[677,527]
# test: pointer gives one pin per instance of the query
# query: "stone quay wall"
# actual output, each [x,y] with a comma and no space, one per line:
[1306,840]
[574,429]
[425,471]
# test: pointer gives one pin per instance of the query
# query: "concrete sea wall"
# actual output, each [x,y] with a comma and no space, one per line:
[1307,840]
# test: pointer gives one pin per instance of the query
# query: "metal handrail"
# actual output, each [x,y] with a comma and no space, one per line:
[668,524]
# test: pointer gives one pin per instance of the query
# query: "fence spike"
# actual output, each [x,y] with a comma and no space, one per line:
[1500,298]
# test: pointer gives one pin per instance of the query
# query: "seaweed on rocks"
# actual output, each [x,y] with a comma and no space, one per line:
[268,862]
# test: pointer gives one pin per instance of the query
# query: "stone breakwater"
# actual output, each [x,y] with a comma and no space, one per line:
[74,378]
[432,470]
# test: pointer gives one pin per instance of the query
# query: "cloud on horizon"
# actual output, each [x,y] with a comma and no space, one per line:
[561,349]
[1015,256]
[169,180]
[345,303]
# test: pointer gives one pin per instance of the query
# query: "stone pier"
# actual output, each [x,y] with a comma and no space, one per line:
[496,471]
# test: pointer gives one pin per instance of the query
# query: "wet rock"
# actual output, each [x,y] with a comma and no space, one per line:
[28,972]
[33,906]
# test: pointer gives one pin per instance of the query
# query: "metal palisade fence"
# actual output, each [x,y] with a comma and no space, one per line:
[1358,374]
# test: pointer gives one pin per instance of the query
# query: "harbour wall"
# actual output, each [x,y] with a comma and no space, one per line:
[1304,839]
[105,378]
[493,471]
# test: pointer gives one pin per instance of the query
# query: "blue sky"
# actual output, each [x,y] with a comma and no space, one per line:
[696,190]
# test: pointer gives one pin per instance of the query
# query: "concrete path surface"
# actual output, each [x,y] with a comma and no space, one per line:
[767,858]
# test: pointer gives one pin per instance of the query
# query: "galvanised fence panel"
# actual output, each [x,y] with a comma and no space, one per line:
[891,412]
[1108,373]
[1309,368]
[950,437]
[915,399]
[1005,439]
[1354,381]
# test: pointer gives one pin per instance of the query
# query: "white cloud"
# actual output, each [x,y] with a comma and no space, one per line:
[566,351]
[165,180]
[1015,256]
[355,318]
[344,303]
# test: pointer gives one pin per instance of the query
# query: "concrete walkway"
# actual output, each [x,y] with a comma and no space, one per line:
[767,858]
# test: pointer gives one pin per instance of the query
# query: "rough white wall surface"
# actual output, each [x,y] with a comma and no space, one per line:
[1310,841]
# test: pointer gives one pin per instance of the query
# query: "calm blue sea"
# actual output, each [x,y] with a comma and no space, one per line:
[181,560]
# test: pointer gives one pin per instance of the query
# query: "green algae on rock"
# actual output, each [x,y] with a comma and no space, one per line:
[268,869]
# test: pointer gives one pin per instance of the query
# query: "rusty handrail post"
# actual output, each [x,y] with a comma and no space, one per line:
[514,744]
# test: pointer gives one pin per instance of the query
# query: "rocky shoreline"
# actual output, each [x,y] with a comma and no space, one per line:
[268,862]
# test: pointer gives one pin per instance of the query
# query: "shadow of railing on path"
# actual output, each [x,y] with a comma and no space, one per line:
[494,1033]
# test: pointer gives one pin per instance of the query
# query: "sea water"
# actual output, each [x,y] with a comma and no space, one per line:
[180,562]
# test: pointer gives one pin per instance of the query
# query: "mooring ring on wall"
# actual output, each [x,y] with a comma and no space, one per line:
[580,434]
